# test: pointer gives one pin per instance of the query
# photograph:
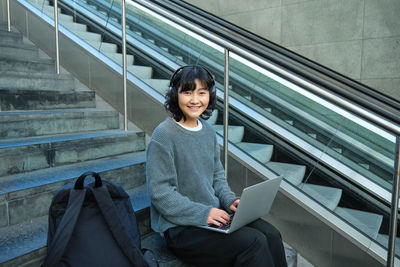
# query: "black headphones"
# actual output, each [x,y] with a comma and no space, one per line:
[173,78]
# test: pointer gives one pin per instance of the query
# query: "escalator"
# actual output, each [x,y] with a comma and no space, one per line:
[338,168]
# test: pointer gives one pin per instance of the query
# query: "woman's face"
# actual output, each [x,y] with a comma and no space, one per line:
[193,103]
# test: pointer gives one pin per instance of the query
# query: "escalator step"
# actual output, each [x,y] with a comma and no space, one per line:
[213,119]
[104,47]
[327,196]
[292,172]
[235,133]
[313,135]
[260,152]
[160,85]
[338,150]
[367,222]
[117,57]
[143,72]
[364,165]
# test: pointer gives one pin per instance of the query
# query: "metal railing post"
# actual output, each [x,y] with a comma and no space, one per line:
[8,16]
[123,22]
[56,32]
[395,204]
[226,110]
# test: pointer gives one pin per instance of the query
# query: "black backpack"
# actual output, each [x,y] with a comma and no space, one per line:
[92,225]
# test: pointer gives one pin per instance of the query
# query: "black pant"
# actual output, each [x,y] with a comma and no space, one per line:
[256,244]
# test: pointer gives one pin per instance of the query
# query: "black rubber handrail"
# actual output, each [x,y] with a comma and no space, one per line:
[365,96]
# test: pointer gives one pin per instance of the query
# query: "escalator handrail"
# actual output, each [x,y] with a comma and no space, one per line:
[364,112]
[370,98]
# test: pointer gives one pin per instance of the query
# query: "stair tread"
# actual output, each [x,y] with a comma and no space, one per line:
[37,178]
[328,196]
[368,222]
[37,75]
[20,45]
[61,111]
[23,238]
[15,142]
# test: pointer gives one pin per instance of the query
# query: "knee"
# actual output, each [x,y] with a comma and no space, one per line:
[260,241]
[275,234]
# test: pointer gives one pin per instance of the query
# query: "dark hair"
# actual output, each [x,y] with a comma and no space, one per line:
[184,79]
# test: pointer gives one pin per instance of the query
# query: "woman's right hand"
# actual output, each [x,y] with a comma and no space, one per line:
[217,216]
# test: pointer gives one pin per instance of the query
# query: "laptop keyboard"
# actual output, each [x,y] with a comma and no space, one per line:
[225,226]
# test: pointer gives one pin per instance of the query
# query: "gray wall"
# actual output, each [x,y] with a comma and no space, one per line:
[358,38]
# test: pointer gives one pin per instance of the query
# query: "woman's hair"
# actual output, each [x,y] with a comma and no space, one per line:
[184,79]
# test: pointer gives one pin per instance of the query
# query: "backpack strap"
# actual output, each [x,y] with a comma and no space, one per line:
[112,218]
[64,230]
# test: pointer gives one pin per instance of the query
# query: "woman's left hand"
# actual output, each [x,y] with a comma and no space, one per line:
[234,205]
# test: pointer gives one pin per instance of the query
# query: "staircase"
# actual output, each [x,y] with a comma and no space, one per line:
[51,132]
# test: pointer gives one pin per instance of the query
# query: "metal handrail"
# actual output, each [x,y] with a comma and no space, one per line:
[8,16]
[56,36]
[124,67]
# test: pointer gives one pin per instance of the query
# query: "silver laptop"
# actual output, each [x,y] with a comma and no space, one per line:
[255,202]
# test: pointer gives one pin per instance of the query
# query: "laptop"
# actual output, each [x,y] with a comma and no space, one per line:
[255,202]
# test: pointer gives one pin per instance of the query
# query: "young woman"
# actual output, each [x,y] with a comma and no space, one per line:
[188,186]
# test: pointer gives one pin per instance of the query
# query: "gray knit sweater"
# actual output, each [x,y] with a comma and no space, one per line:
[185,176]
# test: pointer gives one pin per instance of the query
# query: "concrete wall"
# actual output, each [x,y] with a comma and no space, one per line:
[358,38]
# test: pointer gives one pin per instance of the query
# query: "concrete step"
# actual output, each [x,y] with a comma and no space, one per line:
[10,37]
[28,154]
[104,47]
[26,242]
[16,64]
[36,80]
[16,99]
[19,50]
[235,133]
[327,196]
[28,195]
[38,123]
[161,85]
[367,222]
[117,57]
[261,152]
[141,72]
[292,172]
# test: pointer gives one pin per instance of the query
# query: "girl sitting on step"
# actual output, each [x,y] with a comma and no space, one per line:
[188,186]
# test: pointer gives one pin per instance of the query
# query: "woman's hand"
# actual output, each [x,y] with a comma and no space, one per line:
[217,216]
[234,205]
